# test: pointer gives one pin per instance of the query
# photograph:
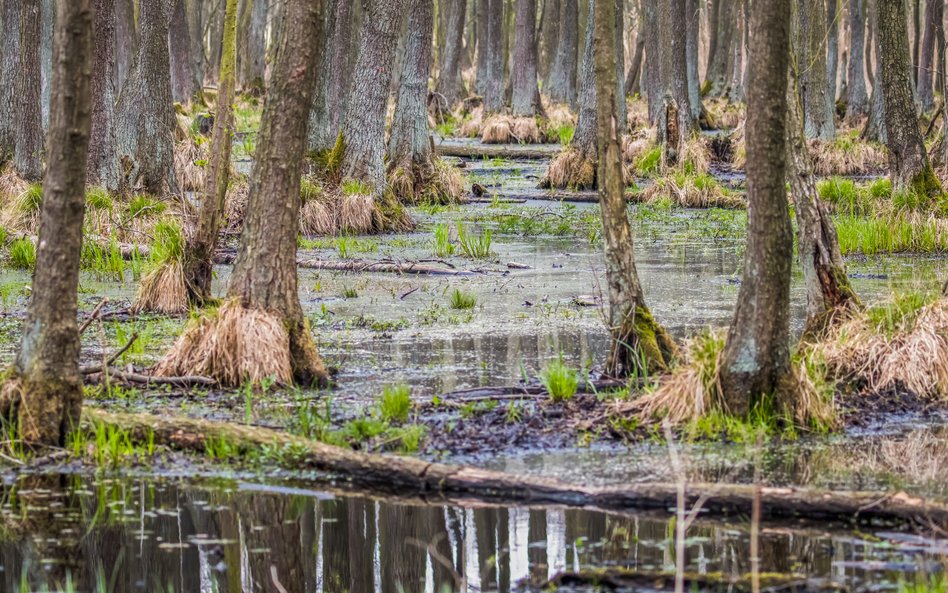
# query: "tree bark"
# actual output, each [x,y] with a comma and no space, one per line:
[126,40]
[874,129]
[735,91]
[637,340]
[622,110]
[264,275]
[144,113]
[561,85]
[252,51]
[102,136]
[674,134]
[490,56]
[756,357]
[46,370]
[916,38]
[832,48]
[828,290]
[332,94]
[549,33]
[28,158]
[202,242]
[47,23]
[184,83]
[526,92]
[724,34]
[196,33]
[693,23]
[363,131]
[654,90]
[934,17]
[909,165]
[450,84]
[857,99]
[818,106]
[634,76]
[8,76]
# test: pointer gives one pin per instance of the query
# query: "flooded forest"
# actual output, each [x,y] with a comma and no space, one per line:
[474,296]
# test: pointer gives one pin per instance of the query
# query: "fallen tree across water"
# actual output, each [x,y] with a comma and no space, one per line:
[489,151]
[442,482]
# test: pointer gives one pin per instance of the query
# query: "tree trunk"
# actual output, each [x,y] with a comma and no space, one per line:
[828,290]
[251,61]
[526,92]
[332,92]
[184,84]
[490,56]
[717,77]
[202,242]
[102,136]
[857,99]
[756,357]
[714,9]
[264,275]
[674,134]
[144,113]
[818,106]
[622,110]
[585,134]
[872,40]
[832,48]
[916,39]
[8,76]
[693,18]
[654,90]
[28,159]
[46,371]
[126,40]
[450,84]
[561,85]
[908,160]
[634,76]
[874,131]
[214,18]
[196,33]
[47,23]
[934,16]
[637,340]
[735,93]
[549,33]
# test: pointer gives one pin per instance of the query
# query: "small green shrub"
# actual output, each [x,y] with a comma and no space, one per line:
[395,403]
[23,254]
[31,200]
[143,206]
[98,198]
[559,380]
[462,300]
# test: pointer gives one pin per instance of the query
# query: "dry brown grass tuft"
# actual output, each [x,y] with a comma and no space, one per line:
[11,184]
[189,174]
[696,156]
[359,214]
[634,146]
[570,170]
[638,115]
[235,205]
[904,341]
[317,217]
[163,290]
[439,184]
[237,345]
[724,114]
[847,155]
[526,130]
[472,124]
[497,129]
[559,115]
[690,191]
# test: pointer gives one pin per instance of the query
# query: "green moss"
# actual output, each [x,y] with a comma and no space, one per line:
[926,183]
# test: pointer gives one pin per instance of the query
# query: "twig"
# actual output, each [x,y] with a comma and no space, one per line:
[93,316]
[95,368]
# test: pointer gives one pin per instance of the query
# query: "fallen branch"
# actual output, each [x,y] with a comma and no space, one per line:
[474,150]
[387,266]
[142,379]
[96,368]
[445,483]
[93,316]
[481,393]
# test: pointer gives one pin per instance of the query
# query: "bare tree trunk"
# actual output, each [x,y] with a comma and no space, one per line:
[264,275]
[872,39]
[561,84]
[126,40]
[450,84]
[654,88]
[622,111]
[28,159]
[46,377]
[756,358]
[874,130]
[102,136]
[693,21]
[8,76]
[634,75]
[832,48]
[714,9]
[184,84]
[934,17]
[717,77]
[637,340]
[857,99]
[828,291]
[196,32]
[490,56]
[202,242]
[735,92]
[214,17]
[916,39]
[675,121]
[251,62]
[526,92]
[908,160]
[144,113]
[549,33]
[818,107]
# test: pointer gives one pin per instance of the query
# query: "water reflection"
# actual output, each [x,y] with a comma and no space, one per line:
[124,536]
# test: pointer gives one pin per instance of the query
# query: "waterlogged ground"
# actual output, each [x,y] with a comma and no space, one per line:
[131,535]
[536,298]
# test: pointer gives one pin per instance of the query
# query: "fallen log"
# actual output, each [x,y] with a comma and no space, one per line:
[98,374]
[441,482]
[585,197]
[387,266]
[513,390]
[489,151]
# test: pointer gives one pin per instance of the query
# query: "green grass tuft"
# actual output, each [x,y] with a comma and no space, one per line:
[559,380]
[395,403]
[462,300]
[23,254]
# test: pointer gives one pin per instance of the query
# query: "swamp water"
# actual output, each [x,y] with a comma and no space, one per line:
[161,535]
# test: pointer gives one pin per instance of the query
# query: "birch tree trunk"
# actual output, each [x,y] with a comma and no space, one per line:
[46,378]
[756,357]
[561,85]
[637,340]
[264,275]
[144,113]
[909,165]
[202,242]
[857,99]
[28,157]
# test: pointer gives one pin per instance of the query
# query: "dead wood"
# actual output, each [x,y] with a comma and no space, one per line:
[97,368]
[93,316]
[437,481]
[100,374]
[543,151]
